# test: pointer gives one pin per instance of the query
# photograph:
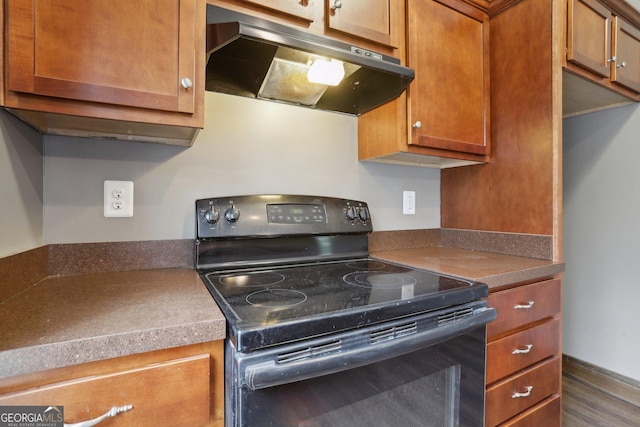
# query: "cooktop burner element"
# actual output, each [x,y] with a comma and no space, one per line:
[250,280]
[379,280]
[276,298]
[366,265]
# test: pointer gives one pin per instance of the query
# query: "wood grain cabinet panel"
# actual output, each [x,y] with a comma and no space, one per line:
[112,68]
[626,70]
[172,393]
[444,120]
[368,19]
[520,350]
[516,394]
[524,355]
[589,41]
[179,386]
[449,99]
[544,414]
[603,47]
[109,51]
[524,305]
[297,8]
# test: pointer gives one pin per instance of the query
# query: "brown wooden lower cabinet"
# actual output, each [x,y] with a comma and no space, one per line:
[544,414]
[522,349]
[173,389]
[518,393]
[524,356]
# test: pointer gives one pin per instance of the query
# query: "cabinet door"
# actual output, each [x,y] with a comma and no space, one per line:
[297,8]
[520,392]
[368,19]
[448,46]
[515,352]
[627,52]
[589,36]
[524,305]
[107,51]
[171,393]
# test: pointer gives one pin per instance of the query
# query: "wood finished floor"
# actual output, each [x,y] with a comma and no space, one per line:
[593,400]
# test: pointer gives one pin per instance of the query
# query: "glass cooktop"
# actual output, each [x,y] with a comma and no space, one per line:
[269,306]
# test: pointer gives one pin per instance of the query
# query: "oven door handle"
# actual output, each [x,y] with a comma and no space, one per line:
[270,374]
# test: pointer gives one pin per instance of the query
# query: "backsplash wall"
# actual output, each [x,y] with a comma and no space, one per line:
[21,189]
[247,147]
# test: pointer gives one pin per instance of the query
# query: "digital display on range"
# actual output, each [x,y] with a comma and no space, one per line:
[296,214]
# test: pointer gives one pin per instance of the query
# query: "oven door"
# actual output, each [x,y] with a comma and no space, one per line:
[426,370]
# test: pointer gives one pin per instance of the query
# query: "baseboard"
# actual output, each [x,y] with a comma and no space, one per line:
[616,385]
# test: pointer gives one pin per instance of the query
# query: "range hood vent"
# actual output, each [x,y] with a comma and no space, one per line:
[259,59]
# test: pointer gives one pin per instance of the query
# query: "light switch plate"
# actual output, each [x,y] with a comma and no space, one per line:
[118,199]
[409,202]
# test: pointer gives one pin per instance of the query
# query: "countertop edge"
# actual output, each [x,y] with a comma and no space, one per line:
[43,357]
[526,275]
[417,258]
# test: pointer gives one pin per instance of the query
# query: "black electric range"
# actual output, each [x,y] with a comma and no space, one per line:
[284,268]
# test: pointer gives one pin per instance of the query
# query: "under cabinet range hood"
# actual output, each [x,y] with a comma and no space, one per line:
[259,59]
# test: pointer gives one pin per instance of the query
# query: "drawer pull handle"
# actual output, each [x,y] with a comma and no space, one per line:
[524,394]
[110,413]
[523,349]
[524,305]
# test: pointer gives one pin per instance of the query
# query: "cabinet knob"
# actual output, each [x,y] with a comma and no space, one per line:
[622,64]
[186,82]
[337,4]
[612,59]
[417,125]
[111,413]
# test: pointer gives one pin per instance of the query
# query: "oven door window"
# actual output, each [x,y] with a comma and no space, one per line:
[442,385]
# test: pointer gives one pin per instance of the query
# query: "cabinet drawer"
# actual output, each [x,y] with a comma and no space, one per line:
[522,391]
[525,304]
[546,413]
[515,352]
[172,393]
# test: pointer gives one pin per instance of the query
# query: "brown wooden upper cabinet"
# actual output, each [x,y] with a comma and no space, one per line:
[374,24]
[296,8]
[106,59]
[448,44]
[603,44]
[626,70]
[444,120]
[368,19]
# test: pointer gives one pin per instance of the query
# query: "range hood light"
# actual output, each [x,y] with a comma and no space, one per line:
[328,72]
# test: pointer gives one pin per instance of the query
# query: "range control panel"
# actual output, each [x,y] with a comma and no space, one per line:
[279,215]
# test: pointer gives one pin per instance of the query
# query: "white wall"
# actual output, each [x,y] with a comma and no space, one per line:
[247,147]
[20,186]
[602,239]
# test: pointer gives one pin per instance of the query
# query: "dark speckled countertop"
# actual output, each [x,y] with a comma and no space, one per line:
[66,320]
[66,304]
[496,270]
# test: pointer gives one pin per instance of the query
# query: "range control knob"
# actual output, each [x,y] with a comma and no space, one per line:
[351,213]
[363,213]
[212,215]
[232,213]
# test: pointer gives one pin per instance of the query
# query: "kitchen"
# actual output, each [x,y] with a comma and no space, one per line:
[243,149]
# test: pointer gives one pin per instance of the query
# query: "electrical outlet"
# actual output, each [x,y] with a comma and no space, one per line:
[409,202]
[118,199]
